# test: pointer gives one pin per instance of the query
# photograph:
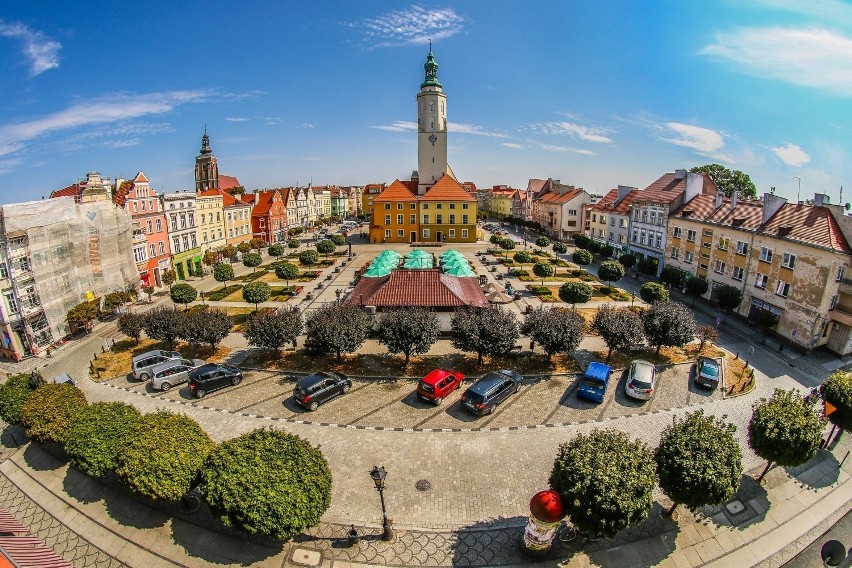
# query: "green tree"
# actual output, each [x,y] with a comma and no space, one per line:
[610,271]
[162,457]
[496,239]
[784,430]
[338,239]
[50,410]
[543,270]
[507,245]
[244,247]
[183,293]
[149,291]
[559,248]
[575,293]
[522,257]
[96,436]
[593,247]
[606,481]
[326,247]
[582,257]
[131,325]
[606,251]
[229,252]
[273,330]
[672,276]
[730,297]
[669,323]
[410,331]
[729,181]
[837,391]
[252,260]
[13,395]
[336,328]
[557,331]
[648,266]
[308,257]
[293,244]
[267,482]
[484,331]
[699,461]
[581,241]
[113,301]
[542,242]
[276,250]
[206,327]
[83,314]
[163,324]
[620,328]
[286,271]
[223,272]
[697,286]
[257,244]
[627,260]
[210,258]
[705,333]
[256,293]
[652,293]
[169,277]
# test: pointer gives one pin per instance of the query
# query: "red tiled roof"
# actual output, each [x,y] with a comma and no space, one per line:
[209,193]
[228,182]
[120,195]
[536,185]
[140,178]
[447,189]
[397,191]
[70,191]
[426,288]
[560,197]
[747,212]
[665,190]
[263,202]
[808,224]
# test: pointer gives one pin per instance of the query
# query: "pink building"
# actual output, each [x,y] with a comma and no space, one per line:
[150,236]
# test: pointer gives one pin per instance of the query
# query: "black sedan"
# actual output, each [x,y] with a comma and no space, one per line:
[213,376]
[483,396]
[317,388]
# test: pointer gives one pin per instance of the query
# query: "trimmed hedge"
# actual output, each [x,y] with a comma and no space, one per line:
[96,437]
[13,394]
[267,482]
[162,456]
[50,410]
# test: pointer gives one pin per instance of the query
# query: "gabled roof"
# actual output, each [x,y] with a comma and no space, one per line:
[419,287]
[70,191]
[210,193]
[559,198]
[140,178]
[669,187]
[397,191]
[447,189]
[119,197]
[228,182]
[808,224]
[605,205]
[229,200]
[746,215]
[536,185]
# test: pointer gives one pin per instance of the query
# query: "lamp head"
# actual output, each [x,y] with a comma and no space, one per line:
[378,474]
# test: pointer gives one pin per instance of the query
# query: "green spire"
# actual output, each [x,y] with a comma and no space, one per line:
[431,67]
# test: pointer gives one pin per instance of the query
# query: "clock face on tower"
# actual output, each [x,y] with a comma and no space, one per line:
[433,139]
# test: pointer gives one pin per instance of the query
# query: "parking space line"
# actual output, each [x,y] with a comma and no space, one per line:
[563,398]
[507,405]
[441,409]
[394,401]
[232,388]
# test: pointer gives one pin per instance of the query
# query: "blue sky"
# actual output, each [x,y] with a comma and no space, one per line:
[592,93]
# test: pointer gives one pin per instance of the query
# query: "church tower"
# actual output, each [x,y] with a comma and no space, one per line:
[431,128]
[206,167]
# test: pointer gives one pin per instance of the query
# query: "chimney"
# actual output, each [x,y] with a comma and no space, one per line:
[719,197]
[694,185]
[771,205]
[821,200]
[680,174]
[734,196]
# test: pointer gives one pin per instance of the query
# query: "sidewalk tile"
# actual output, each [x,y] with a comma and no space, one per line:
[741,557]
[706,530]
[729,540]
[709,550]
[680,559]
[785,491]
[692,556]
[687,536]
[784,511]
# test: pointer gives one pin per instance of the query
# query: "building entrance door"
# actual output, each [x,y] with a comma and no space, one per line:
[439,237]
[413,236]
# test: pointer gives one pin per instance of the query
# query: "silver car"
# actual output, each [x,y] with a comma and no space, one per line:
[142,364]
[640,380]
[166,375]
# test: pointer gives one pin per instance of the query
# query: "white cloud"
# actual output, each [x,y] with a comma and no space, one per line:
[792,155]
[42,53]
[513,145]
[814,58]
[307,125]
[472,129]
[586,133]
[552,148]
[704,141]
[414,25]
[398,126]
[236,119]
[124,143]
[115,108]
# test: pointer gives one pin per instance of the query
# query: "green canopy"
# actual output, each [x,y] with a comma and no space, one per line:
[447,259]
[418,253]
[388,263]
[450,252]
[376,272]
[418,263]
[389,254]
[455,263]
[461,271]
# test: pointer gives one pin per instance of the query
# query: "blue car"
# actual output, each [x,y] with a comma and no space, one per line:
[594,382]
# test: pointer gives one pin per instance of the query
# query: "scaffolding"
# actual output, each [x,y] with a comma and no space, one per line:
[64,253]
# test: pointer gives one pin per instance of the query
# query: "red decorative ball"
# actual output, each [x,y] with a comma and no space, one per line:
[547,506]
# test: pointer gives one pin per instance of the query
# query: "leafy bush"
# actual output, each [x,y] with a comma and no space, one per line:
[620,328]
[50,410]
[669,323]
[336,328]
[557,331]
[559,248]
[652,292]
[627,260]
[97,435]
[223,272]
[206,326]
[326,247]
[183,293]
[161,457]
[582,257]
[308,257]
[484,331]
[164,324]
[588,277]
[113,301]
[13,394]
[338,240]
[130,324]
[581,241]
[252,259]
[267,482]
[575,292]
[838,392]
[275,250]
[577,272]
[256,293]
[408,330]
[272,330]
[611,271]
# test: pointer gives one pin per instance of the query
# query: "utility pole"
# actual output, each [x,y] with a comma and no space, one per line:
[799,194]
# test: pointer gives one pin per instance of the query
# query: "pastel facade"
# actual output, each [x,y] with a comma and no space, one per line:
[609,219]
[179,208]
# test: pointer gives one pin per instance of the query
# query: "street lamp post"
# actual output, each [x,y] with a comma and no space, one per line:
[378,475]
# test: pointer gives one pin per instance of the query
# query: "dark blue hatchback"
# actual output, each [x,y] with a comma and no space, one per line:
[489,391]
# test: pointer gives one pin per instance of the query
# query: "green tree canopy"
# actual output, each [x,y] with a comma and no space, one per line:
[652,293]
[648,266]
[163,324]
[308,257]
[336,328]
[507,245]
[620,328]
[672,276]
[326,247]
[496,239]
[410,331]
[97,434]
[581,241]
[699,461]
[252,260]
[210,258]
[50,410]
[13,395]
[183,293]
[272,329]
[169,277]
[542,242]
[730,297]
[557,331]
[114,300]
[131,325]
[669,323]
[206,327]
[267,482]
[575,293]
[257,243]
[611,271]
[83,313]
[244,247]
[606,250]
[559,248]
[484,331]
[286,271]
[229,252]
[627,260]
[338,239]
[293,244]
[784,430]
[522,257]
[606,481]
[837,390]
[697,286]
[593,246]
[256,293]
[543,270]
[223,272]
[582,257]
[276,250]
[729,181]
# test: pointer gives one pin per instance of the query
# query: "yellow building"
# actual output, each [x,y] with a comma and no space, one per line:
[498,201]
[237,215]
[370,192]
[209,211]
[395,211]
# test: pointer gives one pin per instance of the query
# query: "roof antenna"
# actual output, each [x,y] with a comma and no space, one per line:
[430,45]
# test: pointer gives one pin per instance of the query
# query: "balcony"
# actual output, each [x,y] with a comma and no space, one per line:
[139,236]
[841,314]
[846,286]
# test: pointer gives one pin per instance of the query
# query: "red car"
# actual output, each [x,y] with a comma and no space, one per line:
[438,384]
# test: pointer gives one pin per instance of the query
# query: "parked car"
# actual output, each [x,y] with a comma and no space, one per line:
[64,379]
[707,372]
[640,380]
[143,363]
[211,377]
[173,372]
[439,384]
[317,388]
[594,382]
[483,396]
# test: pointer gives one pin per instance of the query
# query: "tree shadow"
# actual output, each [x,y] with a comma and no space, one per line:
[218,548]
[81,487]
[45,457]
[13,437]
[823,470]
[748,506]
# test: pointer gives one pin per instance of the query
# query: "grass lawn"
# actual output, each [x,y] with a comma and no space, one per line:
[221,293]
[117,361]
[252,276]
[667,355]
[282,293]
[737,380]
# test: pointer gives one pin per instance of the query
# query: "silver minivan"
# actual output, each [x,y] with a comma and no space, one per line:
[640,380]
[170,373]
[143,363]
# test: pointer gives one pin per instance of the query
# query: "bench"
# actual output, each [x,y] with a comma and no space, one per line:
[516,348]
